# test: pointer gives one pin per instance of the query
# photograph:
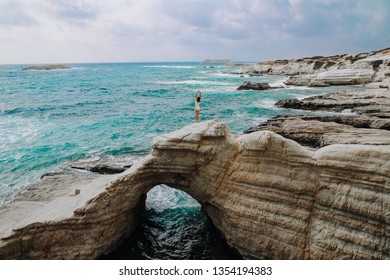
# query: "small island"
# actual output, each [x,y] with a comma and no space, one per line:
[47,67]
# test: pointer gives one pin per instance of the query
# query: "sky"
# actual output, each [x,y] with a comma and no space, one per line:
[82,31]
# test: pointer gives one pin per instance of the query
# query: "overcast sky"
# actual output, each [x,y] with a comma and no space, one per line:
[60,31]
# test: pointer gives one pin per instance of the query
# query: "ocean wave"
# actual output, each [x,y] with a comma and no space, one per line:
[224,74]
[265,103]
[18,130]
[278,83]
[301,88]
[170,66]
[194,82]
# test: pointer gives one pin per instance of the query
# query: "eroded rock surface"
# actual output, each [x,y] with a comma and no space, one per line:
[320,131]
[105,165]
[370,102]
[270,197]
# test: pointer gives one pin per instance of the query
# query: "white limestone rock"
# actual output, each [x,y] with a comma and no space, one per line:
[269,196]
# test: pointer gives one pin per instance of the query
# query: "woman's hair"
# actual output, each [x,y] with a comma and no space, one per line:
[198,96]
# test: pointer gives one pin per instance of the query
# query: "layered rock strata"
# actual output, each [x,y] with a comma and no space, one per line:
[363,117]
[105,165]
[320,131]
[370,102]
[269,196]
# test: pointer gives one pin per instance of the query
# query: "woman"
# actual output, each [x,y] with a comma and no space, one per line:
[198,96]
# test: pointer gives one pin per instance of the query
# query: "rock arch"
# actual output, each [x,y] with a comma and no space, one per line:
[177,228]
[271,197]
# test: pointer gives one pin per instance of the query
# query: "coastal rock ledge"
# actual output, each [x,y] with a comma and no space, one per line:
[271,198]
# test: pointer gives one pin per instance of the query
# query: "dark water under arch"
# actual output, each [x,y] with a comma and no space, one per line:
[174,226]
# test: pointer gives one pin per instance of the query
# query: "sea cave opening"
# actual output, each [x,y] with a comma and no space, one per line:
[174,226]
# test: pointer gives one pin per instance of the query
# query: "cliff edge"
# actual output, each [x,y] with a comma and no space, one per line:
[271,197]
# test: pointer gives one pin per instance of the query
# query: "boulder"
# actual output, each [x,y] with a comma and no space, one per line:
[254,86]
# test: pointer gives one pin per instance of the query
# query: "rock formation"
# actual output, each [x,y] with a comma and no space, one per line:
[320,131]
[269,196]
[254,86]
[370,102]
[247,85]
[107,165]
[363,118]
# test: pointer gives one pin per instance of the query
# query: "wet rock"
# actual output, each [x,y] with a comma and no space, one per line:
[247,85]
[254,86]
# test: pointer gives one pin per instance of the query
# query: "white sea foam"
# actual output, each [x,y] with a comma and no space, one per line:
[348,112]
[193,82]
[17,130]
[279,83]
[256,121]
[170,66]
[265,103]
[163,197]
[224,74]
[300,88]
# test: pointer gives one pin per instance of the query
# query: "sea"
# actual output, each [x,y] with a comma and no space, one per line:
[102,110]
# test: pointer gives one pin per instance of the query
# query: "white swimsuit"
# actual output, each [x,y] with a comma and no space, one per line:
[197,106]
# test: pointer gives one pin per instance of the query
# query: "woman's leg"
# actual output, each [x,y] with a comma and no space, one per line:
[197,115]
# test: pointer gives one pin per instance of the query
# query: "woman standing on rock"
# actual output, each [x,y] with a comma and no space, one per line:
[198,97]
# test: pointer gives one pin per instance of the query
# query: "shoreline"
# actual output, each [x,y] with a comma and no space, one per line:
[36,209]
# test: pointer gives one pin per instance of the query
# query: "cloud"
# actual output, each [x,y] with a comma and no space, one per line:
[133,30]
[76,9]
[14,13]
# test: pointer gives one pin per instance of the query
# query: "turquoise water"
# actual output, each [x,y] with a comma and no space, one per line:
[174,227]
[49,117]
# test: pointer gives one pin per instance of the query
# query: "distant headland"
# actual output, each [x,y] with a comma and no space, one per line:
[216,61]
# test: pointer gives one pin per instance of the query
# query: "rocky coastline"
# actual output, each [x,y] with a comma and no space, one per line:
[321,71]
[361,113]
[294,187]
